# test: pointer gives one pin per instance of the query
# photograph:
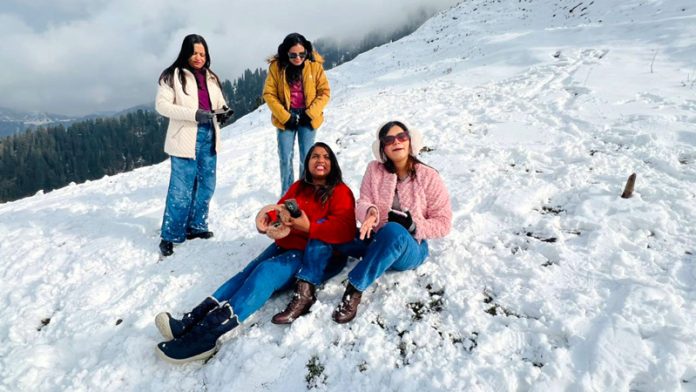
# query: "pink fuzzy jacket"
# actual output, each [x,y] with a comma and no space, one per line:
[425,196]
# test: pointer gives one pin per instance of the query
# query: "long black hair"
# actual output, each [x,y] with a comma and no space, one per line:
[412,160]
[335,177]
[292,72]
[181,62]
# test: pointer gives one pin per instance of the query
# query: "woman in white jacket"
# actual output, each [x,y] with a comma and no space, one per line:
[190,95]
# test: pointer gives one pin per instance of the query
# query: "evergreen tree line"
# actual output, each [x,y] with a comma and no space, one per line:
[51,157]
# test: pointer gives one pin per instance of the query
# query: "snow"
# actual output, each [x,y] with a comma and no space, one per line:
[534,112]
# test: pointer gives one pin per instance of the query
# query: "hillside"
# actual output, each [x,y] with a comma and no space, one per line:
[534,113]
[12,121]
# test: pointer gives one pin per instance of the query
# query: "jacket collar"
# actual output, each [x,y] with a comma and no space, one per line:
[208,75]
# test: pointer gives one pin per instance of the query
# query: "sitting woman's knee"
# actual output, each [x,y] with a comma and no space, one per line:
[315,244]
[393,229]
[271,267]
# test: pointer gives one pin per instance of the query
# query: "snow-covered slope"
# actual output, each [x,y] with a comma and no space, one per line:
[534,112]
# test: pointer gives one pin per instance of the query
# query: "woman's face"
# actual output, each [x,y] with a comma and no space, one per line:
[297,54]
[397,144]
[197,59]
[319,164]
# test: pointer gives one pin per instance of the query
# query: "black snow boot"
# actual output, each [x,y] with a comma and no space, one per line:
[166,248]
[201,342]
[171,328]
[204,235]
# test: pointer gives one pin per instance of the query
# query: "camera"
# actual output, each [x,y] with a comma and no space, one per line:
[397,212]
[223,114]
[293,208]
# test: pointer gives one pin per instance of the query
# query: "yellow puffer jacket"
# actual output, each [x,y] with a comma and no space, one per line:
[276,92]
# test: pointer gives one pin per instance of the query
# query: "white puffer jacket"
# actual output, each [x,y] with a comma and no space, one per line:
[181,110]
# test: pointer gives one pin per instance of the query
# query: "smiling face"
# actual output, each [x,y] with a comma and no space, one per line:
[197,59]
[397,144]
[297,54]
[319,165]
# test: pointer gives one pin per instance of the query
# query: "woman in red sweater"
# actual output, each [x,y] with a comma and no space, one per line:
[327,209]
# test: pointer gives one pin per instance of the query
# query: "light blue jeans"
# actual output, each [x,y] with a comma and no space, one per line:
[191,186]
[391,248]
[286,149]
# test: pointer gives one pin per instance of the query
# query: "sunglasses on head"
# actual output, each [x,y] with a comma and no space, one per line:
[296,55]
[389,140]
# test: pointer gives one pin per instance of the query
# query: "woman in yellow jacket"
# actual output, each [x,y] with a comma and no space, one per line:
[296,91]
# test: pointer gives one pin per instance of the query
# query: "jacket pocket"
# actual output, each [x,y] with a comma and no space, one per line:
[178,130]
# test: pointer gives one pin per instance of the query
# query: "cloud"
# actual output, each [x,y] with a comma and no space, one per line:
[82,56]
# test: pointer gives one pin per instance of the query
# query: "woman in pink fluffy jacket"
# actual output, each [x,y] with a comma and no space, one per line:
[403,203]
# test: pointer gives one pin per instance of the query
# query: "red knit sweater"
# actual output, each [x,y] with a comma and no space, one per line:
[333,223]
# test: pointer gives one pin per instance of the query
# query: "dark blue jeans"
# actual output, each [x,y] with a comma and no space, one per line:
[191,186]
[286,149]
[273,270]
[391,248]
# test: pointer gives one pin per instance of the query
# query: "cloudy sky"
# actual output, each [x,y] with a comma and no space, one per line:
[77,57]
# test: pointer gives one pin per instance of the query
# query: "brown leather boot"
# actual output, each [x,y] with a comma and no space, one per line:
[348,308]
[302,300]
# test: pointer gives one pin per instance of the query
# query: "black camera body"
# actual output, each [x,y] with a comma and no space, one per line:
[293,208]
[223,114]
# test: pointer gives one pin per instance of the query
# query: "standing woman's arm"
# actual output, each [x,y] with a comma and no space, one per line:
[164,104]
[316,107]
[270,95]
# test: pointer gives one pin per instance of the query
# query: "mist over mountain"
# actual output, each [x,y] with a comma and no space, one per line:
[79,57]
[13,121]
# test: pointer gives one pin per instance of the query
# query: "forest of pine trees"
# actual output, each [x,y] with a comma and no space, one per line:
[51,157]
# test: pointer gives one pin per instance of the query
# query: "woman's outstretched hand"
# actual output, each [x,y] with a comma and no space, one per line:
[368,224]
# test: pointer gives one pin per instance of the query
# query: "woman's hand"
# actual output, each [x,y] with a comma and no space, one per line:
[369,223]
[301,223]
[204,116]
[293,122]
[263,220]
[305,120]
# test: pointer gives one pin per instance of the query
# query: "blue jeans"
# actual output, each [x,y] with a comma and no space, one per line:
[391,248]
[273,270]
[320,263]
[191,186]
[286,149]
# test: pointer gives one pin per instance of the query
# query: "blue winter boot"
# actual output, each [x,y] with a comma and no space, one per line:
[201,341]
[171,328]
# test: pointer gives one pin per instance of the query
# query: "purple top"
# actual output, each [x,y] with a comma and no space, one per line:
[297,100]
[203,97]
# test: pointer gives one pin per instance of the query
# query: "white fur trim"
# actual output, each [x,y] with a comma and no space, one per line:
[416,144]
